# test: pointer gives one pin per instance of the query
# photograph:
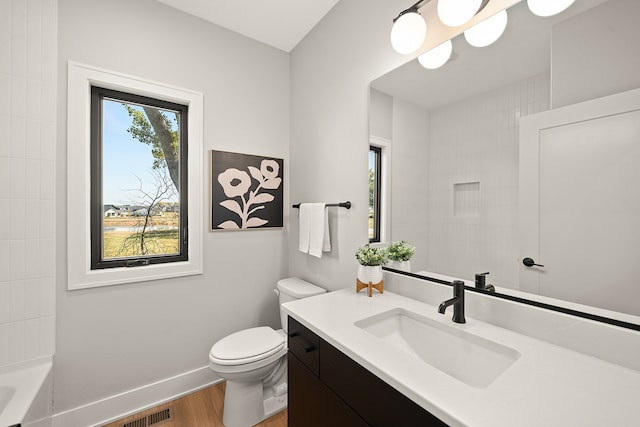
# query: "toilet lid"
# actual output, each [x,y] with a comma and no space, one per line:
[247,346]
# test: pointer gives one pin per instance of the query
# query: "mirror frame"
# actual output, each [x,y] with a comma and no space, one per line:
[531,302]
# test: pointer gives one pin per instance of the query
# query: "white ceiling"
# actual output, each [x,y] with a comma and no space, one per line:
[278,23]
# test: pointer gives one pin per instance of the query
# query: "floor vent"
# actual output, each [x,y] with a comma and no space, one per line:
[160,416]
[140,422]
[154,419]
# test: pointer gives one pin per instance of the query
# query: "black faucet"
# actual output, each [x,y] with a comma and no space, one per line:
[481,282]
[457,301]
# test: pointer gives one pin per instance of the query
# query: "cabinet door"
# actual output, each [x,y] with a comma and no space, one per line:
[374,400]
[312,404]
[304,344]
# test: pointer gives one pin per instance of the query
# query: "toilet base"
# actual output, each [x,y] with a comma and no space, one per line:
[275,404]
[244,405]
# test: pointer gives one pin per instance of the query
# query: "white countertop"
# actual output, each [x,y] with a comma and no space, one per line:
[547,386]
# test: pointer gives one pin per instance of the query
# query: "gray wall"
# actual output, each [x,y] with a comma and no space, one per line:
[330,74]
[113,339]
[596,53]
[380,115]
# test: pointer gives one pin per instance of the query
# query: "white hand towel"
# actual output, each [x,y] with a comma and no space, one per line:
[305,223]
[319,230]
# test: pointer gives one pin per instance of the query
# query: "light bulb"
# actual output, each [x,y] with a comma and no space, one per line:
[488,31]
[408,32]
[436,57]
[457,12]
[548,7]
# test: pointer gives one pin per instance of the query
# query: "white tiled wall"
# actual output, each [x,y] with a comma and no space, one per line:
[27,143]
[409,148]
[476,140]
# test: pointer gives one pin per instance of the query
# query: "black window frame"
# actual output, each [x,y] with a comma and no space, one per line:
[96,209]
[377,194]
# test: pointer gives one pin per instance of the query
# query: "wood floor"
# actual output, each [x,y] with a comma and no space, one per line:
[200,409]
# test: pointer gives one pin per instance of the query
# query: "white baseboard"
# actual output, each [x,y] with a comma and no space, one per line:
[124,404]
[45,422]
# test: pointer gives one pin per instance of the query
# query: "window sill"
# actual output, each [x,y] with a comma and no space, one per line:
[124,275]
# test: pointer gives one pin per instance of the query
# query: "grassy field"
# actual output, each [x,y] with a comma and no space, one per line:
[130,221]
[121,244]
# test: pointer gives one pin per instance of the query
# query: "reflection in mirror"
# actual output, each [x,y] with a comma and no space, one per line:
[455,142]
[375,192]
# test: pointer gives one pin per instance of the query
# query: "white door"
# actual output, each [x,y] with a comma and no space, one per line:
[580,203]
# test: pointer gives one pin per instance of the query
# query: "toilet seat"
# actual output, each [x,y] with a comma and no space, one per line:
[247,346]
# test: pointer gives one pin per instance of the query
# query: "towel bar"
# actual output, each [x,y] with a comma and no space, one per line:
[340,205]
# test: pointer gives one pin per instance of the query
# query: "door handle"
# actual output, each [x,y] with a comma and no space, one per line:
[529,262]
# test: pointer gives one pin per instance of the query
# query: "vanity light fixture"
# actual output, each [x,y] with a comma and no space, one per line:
[548,7]
[436,57]
[488,31]
[458,12]
[409,30]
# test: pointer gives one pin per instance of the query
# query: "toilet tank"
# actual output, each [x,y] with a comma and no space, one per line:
[291,289]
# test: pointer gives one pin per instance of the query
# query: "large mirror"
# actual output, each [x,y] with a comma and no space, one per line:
[455,155]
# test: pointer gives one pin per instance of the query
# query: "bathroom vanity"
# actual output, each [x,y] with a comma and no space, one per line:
[393,360]
[329,388]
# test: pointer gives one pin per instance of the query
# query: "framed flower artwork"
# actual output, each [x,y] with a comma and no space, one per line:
[247,191]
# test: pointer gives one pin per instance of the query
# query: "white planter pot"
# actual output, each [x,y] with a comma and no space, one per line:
[370,273]
[400,265]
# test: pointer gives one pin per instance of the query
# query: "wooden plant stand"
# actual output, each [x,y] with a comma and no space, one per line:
[370,286]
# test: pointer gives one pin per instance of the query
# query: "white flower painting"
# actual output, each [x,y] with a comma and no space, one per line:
[247,191]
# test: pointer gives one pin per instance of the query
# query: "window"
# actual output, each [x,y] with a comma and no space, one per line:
[375,193]
[379,189]
[138,180]
[152,197]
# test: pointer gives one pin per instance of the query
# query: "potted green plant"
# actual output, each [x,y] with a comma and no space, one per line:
[371,260]
[399,254]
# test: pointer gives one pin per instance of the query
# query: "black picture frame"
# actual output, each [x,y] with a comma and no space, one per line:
[246,191]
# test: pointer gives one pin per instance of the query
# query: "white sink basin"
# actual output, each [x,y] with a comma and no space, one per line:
[469,358]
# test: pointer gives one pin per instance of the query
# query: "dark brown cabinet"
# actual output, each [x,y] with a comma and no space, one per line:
[326,387]
[313,404]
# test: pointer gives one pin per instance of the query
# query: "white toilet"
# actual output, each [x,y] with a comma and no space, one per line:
[254,363]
